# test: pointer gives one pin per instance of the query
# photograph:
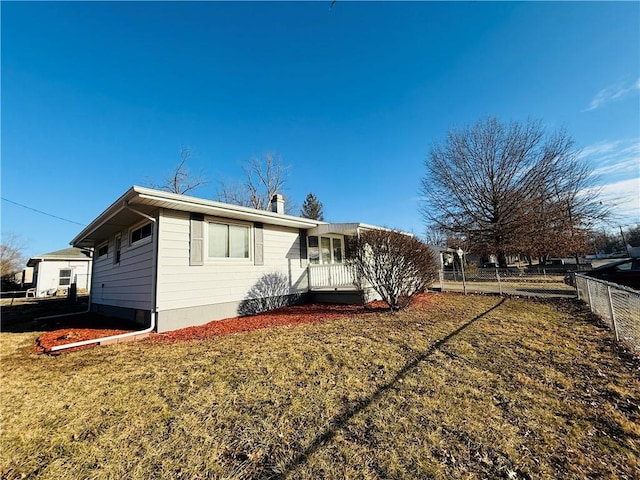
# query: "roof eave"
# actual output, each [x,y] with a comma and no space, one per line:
[187,203]
[142,195]
[351,228]
[104,217]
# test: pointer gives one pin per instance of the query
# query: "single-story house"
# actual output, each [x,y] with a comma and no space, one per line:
[183,261]
[56,271]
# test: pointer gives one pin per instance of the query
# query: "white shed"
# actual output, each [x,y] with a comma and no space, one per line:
[57,270]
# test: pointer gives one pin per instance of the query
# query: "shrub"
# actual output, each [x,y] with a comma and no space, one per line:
[271,291]
[396,265]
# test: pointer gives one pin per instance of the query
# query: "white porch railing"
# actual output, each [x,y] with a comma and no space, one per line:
[331,276]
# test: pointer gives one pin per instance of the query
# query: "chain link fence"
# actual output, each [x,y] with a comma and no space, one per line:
[506,281]
[618,306]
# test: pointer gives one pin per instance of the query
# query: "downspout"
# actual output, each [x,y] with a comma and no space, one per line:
[121,336]
[126,205]
[156,251]
[106,339]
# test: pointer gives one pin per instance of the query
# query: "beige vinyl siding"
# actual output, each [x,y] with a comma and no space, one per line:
[221,280]
[128,284]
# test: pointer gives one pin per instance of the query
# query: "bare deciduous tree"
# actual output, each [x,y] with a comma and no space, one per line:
[564,211]
[11,256]
[499,186]
[397,265]
[233,193]
[433,235]
[632,236]
[614,241]
[181,180]
[262,180]
[601,241]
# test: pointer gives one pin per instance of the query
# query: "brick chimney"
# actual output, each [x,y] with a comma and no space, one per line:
[277,203]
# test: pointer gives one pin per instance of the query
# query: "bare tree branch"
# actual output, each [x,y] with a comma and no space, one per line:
[181,180]
[263,178]
[505,188]
[11,256]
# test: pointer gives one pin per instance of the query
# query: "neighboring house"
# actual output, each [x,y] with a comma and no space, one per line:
[444,256]
[188,261]
[24,278]
[56,271]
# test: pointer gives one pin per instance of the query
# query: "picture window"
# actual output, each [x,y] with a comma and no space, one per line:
[228,241]
[325,250]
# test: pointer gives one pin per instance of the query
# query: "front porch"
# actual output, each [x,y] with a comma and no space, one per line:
[332,277]
[335,283]
[331,280]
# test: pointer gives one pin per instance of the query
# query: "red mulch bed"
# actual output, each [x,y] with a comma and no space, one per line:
[289,316]
[293,315]
[71,335]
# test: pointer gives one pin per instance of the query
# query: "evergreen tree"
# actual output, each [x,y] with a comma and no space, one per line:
[312,208]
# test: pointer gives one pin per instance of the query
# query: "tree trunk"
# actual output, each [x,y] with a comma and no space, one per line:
[502,259]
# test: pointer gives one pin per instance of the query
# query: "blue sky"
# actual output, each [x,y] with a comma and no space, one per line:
[99,96]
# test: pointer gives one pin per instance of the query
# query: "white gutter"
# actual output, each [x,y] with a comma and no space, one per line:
[106,339]
[121,335]
[126,205]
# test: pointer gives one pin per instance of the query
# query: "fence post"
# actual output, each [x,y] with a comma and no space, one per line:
[499,283]
[72,293]
[613,314]
[589,295]
[464,283]
[442,280]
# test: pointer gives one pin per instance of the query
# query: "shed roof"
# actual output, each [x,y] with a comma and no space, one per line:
[71,254]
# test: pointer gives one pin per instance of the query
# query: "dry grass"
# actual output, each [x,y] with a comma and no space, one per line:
[526,390]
